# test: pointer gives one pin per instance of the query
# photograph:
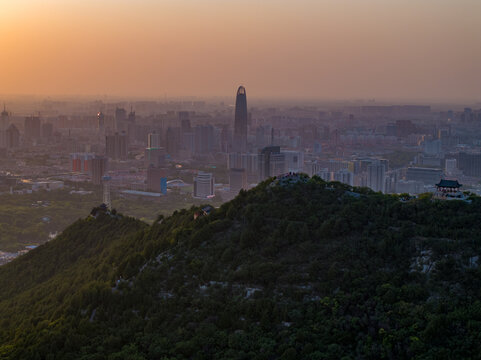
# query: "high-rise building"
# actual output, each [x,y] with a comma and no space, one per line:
[154,140]
[470,163]
[154,157]
[237,180]
[106,191]
[100,120]
[12,137]
[204,139]
[203,185]
[32,128]
[271,162]
[376,174]
[98,168]
[47,130]
[172,139]
[81,162]
[4,119]
[131,118]
[116,146]
[247,161]
[263,136]
[120,119]
[240,121]
[4,122]
[154,178]
[184,118]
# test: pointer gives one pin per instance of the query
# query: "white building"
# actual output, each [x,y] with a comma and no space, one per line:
[376,173]
[203,185]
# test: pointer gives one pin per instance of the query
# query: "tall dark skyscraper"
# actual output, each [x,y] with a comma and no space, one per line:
[32,127]
[120,119]
[240,121]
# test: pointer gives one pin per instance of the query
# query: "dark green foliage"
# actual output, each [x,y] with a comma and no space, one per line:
[300,272]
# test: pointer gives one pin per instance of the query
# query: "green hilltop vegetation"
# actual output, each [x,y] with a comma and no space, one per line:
[304,270]
[29,219]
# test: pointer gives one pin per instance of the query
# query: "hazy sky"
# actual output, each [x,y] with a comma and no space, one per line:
[326,49]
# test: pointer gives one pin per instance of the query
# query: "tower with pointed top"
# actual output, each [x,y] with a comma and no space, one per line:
[4,119]
[240,121]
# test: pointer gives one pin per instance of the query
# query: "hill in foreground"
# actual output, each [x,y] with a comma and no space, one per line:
[307,270]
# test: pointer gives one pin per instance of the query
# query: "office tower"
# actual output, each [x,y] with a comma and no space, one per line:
[4,119]
[185,126]
[376,174]
[12,137]
[248,161]
[172,137]
[237,180]
[203,185]
[131,118]
[187,136]
[100,121]
[154,157]
[154,140]
[32,128]
[225,138]
[188,142]
[154,178]
[204,139]
[467,115]
[47,130]
[98,168]
[120,119]
[4,122]
[470,163]
[184,118]
[264,136]
[240,121]
[116,146]
[106,191]
[271,162]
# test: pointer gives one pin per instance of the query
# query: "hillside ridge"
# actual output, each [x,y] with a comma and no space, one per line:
[297,269]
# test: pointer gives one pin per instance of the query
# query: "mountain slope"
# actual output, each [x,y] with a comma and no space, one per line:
[293,270]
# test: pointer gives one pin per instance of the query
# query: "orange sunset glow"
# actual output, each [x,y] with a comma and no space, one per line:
[318,49]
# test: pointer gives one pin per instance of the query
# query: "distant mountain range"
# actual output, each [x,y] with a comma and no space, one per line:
[292,269]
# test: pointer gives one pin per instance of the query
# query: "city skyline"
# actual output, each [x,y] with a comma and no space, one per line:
[397,50]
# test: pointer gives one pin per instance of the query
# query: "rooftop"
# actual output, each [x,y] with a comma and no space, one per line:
[449,183]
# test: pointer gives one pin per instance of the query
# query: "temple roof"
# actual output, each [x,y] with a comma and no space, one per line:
[449,183]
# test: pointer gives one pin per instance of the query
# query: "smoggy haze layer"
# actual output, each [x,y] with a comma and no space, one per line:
[403,49]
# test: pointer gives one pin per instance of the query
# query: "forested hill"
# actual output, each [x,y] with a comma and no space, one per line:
[305,270]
